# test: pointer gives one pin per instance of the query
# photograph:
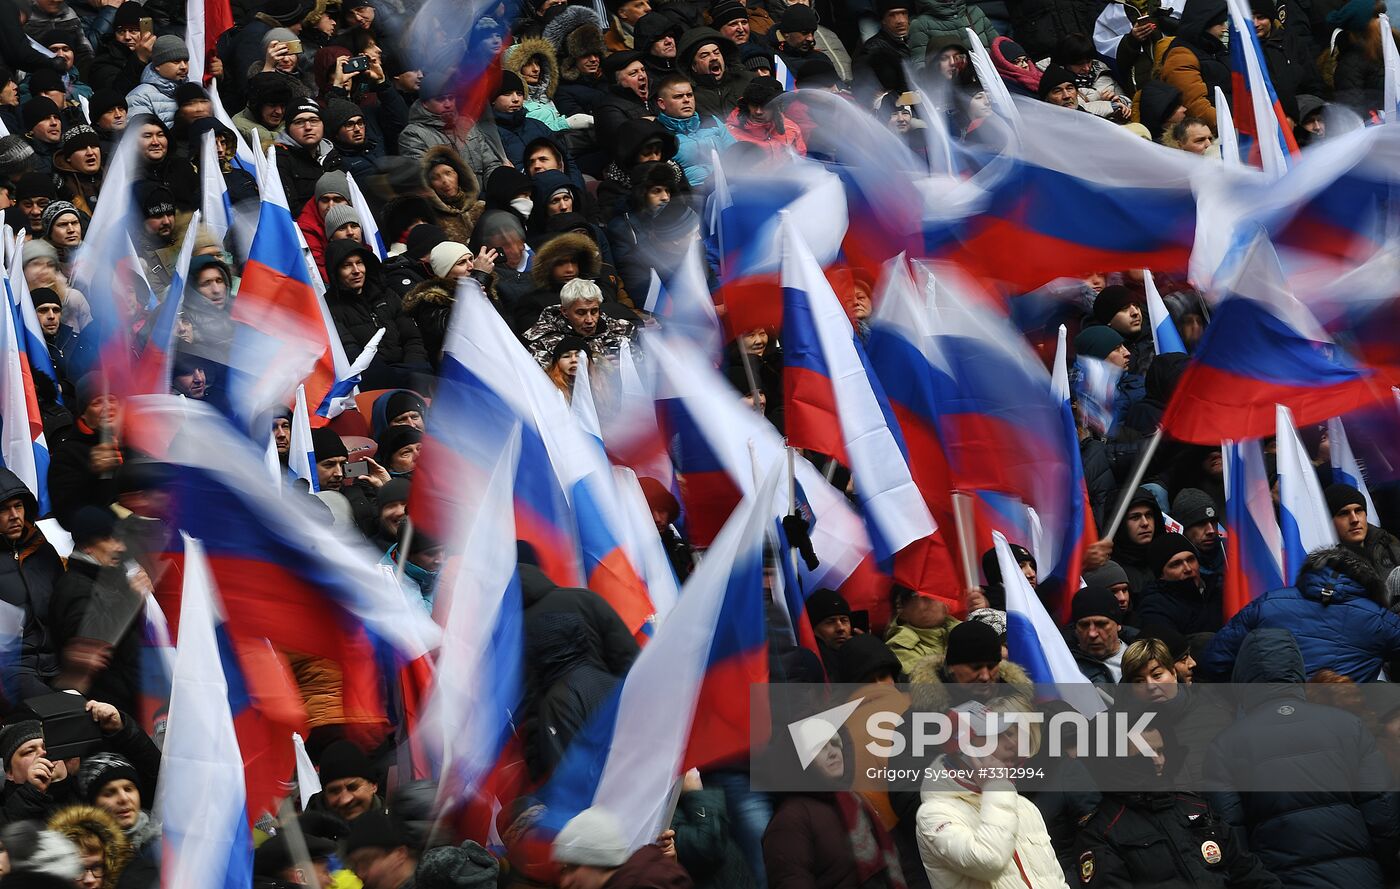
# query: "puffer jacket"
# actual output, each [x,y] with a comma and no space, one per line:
[973,838]
[426,130]
[1337,626]
[539,99]
[516,130]
[939,20]
[27,580]
[154,95]
[1316,838]
[1381,549]
[1197,63]
[458,216]
[698,138]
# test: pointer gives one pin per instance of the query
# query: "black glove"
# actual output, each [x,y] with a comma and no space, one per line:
[796,530]
[59,65]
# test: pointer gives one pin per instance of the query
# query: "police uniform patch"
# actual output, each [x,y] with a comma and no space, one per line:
[1086,867]
[1210,851]
[1286,710]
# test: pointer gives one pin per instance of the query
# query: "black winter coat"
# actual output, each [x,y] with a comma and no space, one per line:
[299,168]
[580,95]
[1039,24]
[115,67]
[359,316]
[72,483]
[517,131]
[1179,604]
[27,580]
[615,109]
[1317,838]
[879,66]
[84,588]
[572,685]
[1359,79]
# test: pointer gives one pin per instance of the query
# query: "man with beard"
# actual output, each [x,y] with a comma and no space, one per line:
[880,64]
[704,55]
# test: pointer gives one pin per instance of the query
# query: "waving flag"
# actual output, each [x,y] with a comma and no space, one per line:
[1059,583]
[1262,347]
[1257,112]
[249,159]
[1345,467]
[835,405]
[437,40]
[1097,390]
[1391,59]
[368,227]
[276,295]
[301,453]
[478,683]
[702,662]
[35,346]
[1254,546]
[1164,334]
[11,644]
[683,304]
[200,800]
[1035,642]
[1304,519]
[23,448]
[213,191]
[152,374]
[1229,138]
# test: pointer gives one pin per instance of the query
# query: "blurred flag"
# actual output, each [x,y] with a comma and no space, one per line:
[1254,547]
[1304,519]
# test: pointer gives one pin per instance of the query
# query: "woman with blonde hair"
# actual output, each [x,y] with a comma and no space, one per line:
[102,845]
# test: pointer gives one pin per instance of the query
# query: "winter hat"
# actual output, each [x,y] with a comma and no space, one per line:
[373,830]
[972,642]
[158,201]
[342,759]
[89,388]
[402,401]
[1110,301]
[56,209]
[1107,575]
[1053,76]
[15,153]
[866,656]
[36,852]
[333,182]
[16,735]
[495,222]
[818,72]
[1093,601]
[824,604]
[327,444]
[992,568]
[43,296]
[77,137]
[38,249]
[1191,506]
[281,35]
[395,490]
[339,215]
[617,61]
[1354,16]
[591,838]
[102,768]
[275,854]
[35,185]
[169,48]
[1161,550]
[285,12]
[340,112]
[762,90]
[91,524]
[1011,50]
[128,15]
[467,866]
[303,106]
[885,7]
[798,18]
[1097,342]
[991,617]
[726,11]
[510,83]
[394,439]
[105,100]
[45,80]
[1340,496]
[566,344]
[422,239]
[37,109]
[755,56]
[445,255]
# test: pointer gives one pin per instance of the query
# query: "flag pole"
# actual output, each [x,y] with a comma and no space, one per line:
[965,526]
[1145,455]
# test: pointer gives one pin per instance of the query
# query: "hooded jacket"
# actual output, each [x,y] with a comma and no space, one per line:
[1336,621]
[1317,838]
[1133,556]
[571,683]
[457,216]
[516,129]
[539,99]
[154,95]
[27,580]
[940,20]
[1157,100]
[608,637]
[358,316]
[1197,63]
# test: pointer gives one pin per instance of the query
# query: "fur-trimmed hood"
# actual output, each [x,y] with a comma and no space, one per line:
[930,692]
[560,247]
[432,292]
[516,57]
[466,178]
[74,821]
[566,27]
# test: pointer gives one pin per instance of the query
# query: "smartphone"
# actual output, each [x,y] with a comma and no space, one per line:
[356,63]
[147,24]
[357,469]
[860,620]
[294,47]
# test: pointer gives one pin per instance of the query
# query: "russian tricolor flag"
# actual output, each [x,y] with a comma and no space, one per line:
[1346,469]
[1304,519]
[1165,337]
[35,346]
[23,448]
[1061,580]
[686,701]
[1257,112]
[1254,547]
[200,800]
[1262,347]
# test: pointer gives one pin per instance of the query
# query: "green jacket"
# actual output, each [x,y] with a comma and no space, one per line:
[946,19]
[912,644]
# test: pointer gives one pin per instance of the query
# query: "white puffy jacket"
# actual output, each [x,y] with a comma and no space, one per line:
[994,839]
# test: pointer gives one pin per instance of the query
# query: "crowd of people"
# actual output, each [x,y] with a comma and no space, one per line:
[570,173]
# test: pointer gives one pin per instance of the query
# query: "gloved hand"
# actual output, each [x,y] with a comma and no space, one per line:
[796,530]
[59,64]
[579,121]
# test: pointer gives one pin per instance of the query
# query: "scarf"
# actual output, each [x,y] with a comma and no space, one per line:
[688,126]
[1026,78]
[143,831]
[873,849]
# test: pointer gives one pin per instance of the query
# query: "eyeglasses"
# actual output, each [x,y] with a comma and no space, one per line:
[97,870]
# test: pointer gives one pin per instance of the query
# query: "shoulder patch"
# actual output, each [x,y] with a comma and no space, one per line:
[1086,867]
